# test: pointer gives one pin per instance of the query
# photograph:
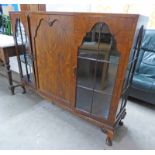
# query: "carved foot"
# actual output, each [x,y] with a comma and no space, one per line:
[108,141]
[109,136]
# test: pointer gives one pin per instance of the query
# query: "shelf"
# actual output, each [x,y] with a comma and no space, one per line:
[95,90]
[99,60]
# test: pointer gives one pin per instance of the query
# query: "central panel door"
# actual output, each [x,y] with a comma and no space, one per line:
[53,44]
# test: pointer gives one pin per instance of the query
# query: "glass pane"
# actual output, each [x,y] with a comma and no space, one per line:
[122,102]
[84,99]
[101,104]
[30,75]
[134,57]
[105,77]
[24,48]
[86,69]
[88,54]
[128,75]
[98,60]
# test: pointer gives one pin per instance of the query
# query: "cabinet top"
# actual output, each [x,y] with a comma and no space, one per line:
[80,13]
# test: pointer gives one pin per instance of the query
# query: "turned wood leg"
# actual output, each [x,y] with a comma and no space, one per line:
[9,75]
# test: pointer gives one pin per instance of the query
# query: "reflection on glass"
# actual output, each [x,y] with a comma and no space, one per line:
[98,60]
[84,99]
[101,104]
[86,69]
[105,77]
[128,76]
[23,46]
[134,57]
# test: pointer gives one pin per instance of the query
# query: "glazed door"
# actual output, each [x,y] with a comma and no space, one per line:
[53,45]
[133,58]
[22,39]
[98,60]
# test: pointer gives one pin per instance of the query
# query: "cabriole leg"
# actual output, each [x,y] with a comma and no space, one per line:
[110,135]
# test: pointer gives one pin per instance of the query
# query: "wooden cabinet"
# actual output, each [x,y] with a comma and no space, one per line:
[84,62]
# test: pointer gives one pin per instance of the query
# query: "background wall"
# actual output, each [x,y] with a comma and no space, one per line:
[69,7]
[9,7]
[144,7]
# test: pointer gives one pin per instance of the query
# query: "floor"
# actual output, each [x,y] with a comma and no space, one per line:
[29,122]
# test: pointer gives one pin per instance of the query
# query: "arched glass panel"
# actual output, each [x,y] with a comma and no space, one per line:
[98,60]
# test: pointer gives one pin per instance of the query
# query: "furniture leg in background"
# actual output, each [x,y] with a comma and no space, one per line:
[7,51]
